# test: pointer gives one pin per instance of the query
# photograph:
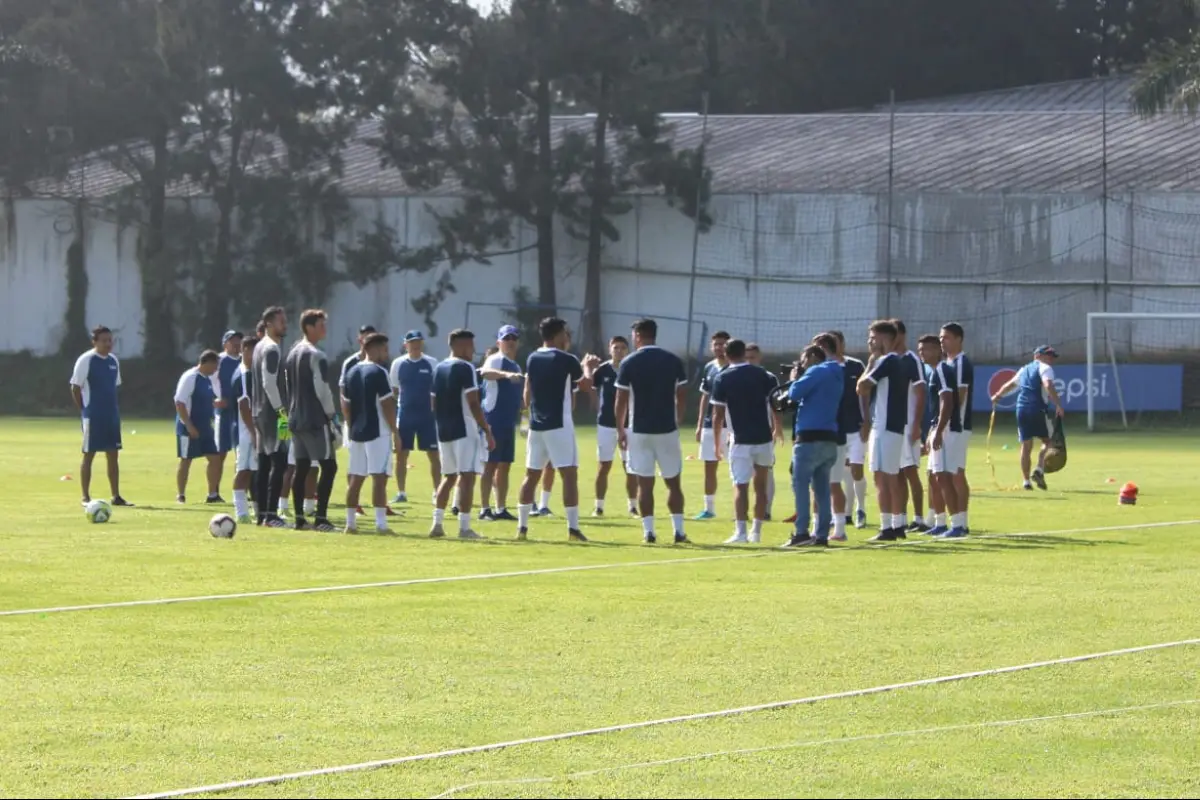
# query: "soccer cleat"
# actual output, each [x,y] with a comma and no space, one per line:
[454,510]
[1027,486]
[400,497]
[791,520]
[860,519]
[797,540]
[681,538]
[767,517]
[358,510]
[469,534]
[918,527]
[1040,479]
[755,538]
[599,512]
[180,499]
[437,532]
[953,533]
[120,501]
[937,530]
[323,525]
[574,535]
[488,515]
[214,498]
[544,511]
[812,541]
[388,511]
[849,521]
[523,534]
[838,537]
[649,537]
[738,538]
[301,524]
[503,515]
[633,512]
[275,521]
[385,531]
[884,535]
[244,519]
[706,514]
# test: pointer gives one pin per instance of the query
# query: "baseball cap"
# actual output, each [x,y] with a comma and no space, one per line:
[231,335]
[508,330]
[414,336]
[367,329]
[1046,350]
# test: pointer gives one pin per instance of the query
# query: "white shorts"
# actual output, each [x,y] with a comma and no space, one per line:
[708,450]
[910,453]
[648,449]
[346,435]
[743,458]
[937,458]
[856,450]
[247,459]
[463,455]
[886,452]
[839,470]
[371,458]
[954,450]
[556,448]
[606,445]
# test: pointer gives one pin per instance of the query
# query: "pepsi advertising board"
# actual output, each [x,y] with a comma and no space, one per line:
[1156,387]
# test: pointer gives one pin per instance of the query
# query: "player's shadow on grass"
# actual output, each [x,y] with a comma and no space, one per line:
[999,542]
[1015,495]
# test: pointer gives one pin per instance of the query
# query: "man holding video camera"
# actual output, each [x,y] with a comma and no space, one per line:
[816,391]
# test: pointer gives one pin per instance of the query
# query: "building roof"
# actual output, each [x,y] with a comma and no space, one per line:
[978,143]
[1087,94]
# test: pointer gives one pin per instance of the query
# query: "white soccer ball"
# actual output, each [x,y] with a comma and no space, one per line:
[222,526]
[98,511]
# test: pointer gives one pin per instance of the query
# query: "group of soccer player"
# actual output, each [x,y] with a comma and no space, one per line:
[275,409]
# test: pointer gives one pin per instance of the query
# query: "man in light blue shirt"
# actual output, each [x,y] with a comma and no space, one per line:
[817,385]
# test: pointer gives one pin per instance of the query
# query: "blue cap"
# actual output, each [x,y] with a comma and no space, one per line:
[230,335]
[414,336]
[1045,350]
[508,330]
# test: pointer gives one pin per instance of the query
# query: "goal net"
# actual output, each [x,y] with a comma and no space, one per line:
[1137,370]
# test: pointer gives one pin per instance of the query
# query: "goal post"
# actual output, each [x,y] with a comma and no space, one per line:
[1110,354]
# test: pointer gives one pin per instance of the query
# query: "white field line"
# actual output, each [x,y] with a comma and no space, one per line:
[817,743]
[557,570]
[628,726]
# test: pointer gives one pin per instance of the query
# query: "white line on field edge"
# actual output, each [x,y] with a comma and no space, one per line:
[1003,723]
[555,737]
[557,570]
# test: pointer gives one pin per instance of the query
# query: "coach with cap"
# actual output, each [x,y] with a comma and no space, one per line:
[816,389]
[1036,392]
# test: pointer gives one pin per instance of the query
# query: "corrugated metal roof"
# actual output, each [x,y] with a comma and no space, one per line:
[1088,94]
[980,151]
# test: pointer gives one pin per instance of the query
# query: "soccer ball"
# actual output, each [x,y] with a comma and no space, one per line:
[98,511]
[222,526]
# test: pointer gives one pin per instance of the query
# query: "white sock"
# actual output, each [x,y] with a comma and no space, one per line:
[501,509]
[740,527]
[930,517]
[633,506]
[310,505]
[573,518]
[939,520]
[439,516]
[848,490]
[956,520]
[885,520]
[964,519]
[758,523]
[677,523]
[283,505]
[647,524]
[464,520]
[839,525]
[240,506]
[900,520]
[860,494]
[380,517]
[599,504]
[352,521]
[523,515]
[710,503]
[770,491]
[545,500]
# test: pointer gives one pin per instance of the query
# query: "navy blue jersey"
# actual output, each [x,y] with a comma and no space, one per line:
[453,380]
[1031,391]
[955,374]
[196,392]
[744,390]
[98,377]
[604,379]
[366,385]
[501,399]
[711,370]
[892,375]
[652,376]
[850,418]
[552,375]
[412,379]
[350,363]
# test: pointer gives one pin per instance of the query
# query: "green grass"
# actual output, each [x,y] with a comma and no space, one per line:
[129,700]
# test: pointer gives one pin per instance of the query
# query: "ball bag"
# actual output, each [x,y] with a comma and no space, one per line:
[1056,451]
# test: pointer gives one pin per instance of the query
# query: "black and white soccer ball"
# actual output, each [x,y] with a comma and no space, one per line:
[222,526]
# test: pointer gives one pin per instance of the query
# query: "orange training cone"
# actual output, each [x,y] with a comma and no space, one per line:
[1128,495]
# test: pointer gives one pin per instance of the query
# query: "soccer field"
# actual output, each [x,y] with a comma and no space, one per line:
[476,643]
